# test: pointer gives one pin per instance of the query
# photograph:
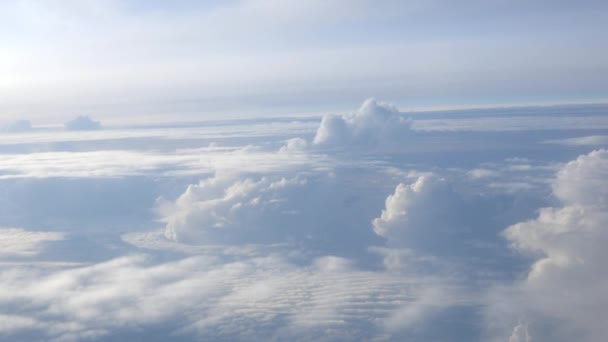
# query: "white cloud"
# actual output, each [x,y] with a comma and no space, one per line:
[294,145]
[120,163]
[252,299]
[372,124]
[583,181]
[198,131]
[82,123]
[19,242]
[10,324]
[483,173]
[420,214]
[310,209]
[564,295]
[591,140]
[222,209]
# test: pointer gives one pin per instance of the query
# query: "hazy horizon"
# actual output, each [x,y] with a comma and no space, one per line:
[206,59]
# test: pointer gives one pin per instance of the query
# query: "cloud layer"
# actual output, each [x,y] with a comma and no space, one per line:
[360,228]
[206,298]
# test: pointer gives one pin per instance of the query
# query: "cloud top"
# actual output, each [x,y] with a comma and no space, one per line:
[82,123]
[566,285]
[372,124]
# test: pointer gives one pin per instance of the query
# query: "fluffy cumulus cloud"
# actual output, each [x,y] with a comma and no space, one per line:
[565,296]
[412,210]
[372,124]
[440,216]
[315,210]
[82,123]
[222,209]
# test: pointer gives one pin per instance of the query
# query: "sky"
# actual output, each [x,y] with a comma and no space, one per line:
[217,59]
[303,171]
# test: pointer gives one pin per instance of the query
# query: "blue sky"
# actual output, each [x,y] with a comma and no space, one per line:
[209,59]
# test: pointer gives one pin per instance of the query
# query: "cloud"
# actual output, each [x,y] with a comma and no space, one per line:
[564,294]
[582,182]
[432,218]
[483,173]
[19,242]
[310,209]
[294,145]
[511,124]
[277,245]
[591,140]
[520,334]
[121,163]
[372,124]
[17,126]
[206,297]
[162,134]
[222,210]
[82,123]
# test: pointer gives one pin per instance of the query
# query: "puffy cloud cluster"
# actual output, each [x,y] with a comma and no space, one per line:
[220,210]
[372,124]
[565,295]
[82,123]
[309,209]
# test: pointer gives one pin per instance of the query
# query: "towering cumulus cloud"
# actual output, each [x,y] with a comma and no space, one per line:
[82,123]
[407,210]
[372,124]
[435,216]
[565,295]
